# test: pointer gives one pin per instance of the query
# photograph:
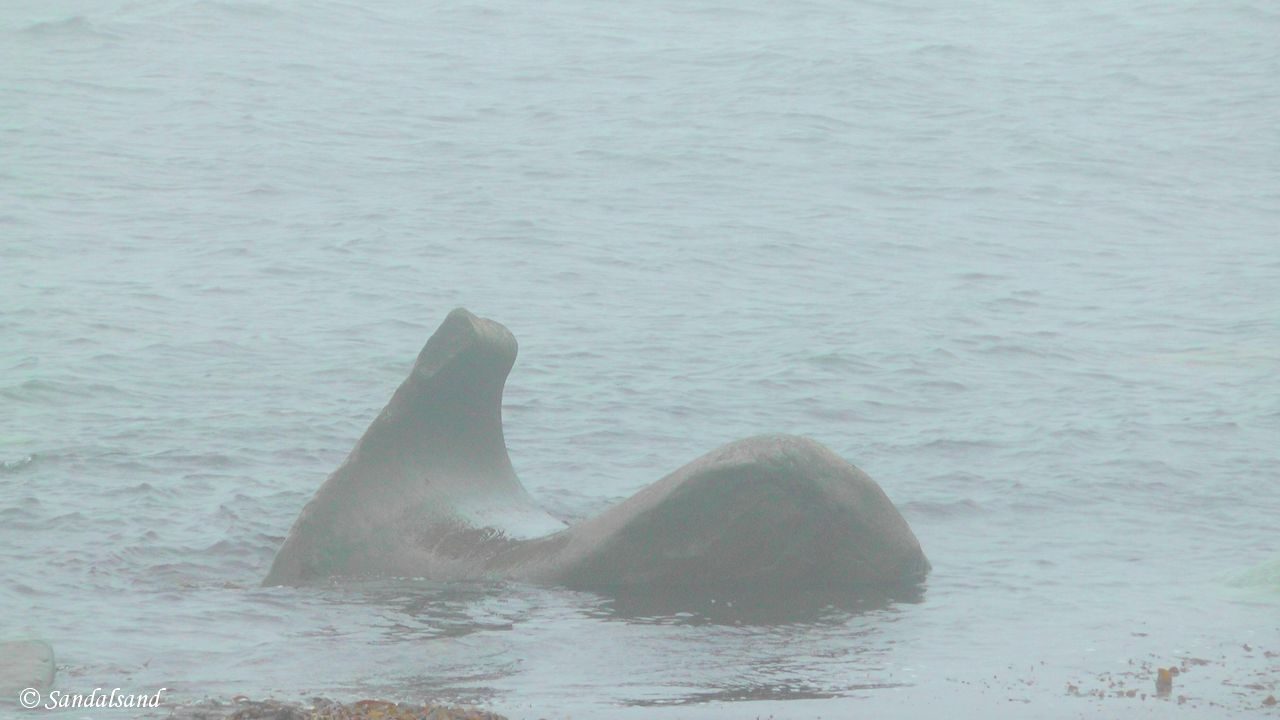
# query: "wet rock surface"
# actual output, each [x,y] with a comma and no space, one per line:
[25,664]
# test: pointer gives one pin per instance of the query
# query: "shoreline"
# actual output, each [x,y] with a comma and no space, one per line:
[319,708]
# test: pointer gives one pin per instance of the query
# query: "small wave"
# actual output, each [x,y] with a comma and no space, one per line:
[946,385]
[1262,577]
[201,460]
[1261,12]
[75,26]
[941,509]
[945,50]
[129,491]
[953,445]
[837,360]
[71,520]
[981,277]
[763,691]
[262,190]
[12,466]
[41,391]
[244,9]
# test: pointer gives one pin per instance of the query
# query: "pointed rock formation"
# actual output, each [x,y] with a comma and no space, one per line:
[429,491]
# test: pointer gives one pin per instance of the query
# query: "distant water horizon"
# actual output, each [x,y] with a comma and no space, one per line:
[1019,263]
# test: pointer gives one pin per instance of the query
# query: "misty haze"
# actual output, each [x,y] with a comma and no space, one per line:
[875,359]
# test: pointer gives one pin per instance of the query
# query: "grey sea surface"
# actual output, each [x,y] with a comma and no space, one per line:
[1018,261]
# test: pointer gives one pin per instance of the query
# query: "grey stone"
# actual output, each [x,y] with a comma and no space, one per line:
[429,492]
[25,664]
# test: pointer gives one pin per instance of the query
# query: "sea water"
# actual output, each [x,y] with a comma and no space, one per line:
[1020,262]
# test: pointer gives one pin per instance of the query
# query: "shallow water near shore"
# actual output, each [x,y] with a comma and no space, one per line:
[1020,264]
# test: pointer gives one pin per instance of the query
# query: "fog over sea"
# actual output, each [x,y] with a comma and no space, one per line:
[1018,261]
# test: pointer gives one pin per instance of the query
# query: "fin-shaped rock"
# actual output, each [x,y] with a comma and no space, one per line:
[429,491]
[429,487]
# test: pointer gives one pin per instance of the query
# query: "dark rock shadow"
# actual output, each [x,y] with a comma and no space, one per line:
[686,606]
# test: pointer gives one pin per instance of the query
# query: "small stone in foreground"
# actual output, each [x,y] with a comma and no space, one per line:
[25,664]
